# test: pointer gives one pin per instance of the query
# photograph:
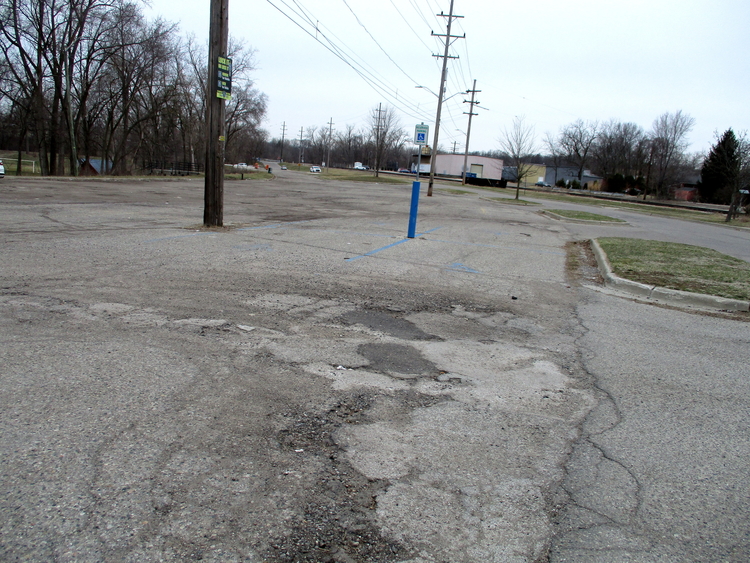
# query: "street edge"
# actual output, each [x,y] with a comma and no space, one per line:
[671,296]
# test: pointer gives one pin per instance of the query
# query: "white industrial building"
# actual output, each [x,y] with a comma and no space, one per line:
[482,166]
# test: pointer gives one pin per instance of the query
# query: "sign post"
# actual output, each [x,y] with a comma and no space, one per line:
[421,132]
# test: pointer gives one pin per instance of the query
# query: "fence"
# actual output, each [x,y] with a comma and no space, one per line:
[163,168]
[11,165]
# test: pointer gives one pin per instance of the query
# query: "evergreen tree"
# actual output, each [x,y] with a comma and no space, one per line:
[720,173]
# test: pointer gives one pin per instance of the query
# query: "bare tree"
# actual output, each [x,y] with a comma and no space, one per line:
[668,145]
[519,142]
[576,140]
[616,148]
[348,145]
[387,132]
[556,152]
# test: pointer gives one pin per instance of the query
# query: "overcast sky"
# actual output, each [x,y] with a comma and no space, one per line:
[550,61]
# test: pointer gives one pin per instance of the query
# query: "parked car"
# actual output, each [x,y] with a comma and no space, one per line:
[404,170]
[283,167]
[2,169]
[315,169]
[543,185]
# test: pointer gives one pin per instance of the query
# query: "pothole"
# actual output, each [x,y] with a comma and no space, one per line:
[338,519]
[388,324]
[398,360]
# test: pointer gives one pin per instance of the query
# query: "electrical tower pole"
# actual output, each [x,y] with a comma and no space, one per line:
[377,142]
[468,131]
[445,57]
[299,164]
[213,209]
[283,130]
[330,134]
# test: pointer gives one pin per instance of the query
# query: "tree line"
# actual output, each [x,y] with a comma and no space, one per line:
[381,144]
[630,158]
[85,78]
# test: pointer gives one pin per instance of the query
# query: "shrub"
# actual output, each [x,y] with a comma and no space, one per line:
[616,184]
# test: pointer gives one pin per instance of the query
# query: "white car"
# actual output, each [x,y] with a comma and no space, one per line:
[2,169]
[315,169]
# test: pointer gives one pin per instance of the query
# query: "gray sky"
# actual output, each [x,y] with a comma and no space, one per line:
[550,61]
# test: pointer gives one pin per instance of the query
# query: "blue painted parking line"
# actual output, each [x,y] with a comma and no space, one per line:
[389,246]
[458,267]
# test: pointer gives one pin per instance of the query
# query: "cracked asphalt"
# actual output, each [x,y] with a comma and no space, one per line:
[309,385]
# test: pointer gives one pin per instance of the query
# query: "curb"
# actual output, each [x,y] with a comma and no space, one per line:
[672,296]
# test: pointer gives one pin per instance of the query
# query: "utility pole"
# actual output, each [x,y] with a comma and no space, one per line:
[445,57]
[330,134]
[468,131]
[377,142]
[213,210]
[299,164]
[454,146]
[283,130]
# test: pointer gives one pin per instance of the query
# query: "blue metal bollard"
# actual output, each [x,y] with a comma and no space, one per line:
[413,212]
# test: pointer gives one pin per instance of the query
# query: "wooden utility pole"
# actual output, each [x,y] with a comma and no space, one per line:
[283,132]
[468,131]
[379,143]
[330,135]
[445,57]
[213,210]
[299,164]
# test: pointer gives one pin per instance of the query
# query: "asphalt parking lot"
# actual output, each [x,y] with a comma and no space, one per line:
[305,384]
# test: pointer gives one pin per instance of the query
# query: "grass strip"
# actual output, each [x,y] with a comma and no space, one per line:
[676,213]
[453,191]
[359,176]
[510,201]
[678,266]
[584,215]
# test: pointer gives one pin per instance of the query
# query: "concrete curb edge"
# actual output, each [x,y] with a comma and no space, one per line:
[671,296]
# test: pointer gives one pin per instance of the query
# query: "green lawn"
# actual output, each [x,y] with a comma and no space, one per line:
[511,201]
[678,266]
[584,215]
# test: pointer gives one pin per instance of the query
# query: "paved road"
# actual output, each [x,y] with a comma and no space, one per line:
[661,471]
[309,385]
[732,241]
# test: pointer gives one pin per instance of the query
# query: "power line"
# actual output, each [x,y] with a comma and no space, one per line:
[408,107]
[378,44]
[379,83]
[406,21]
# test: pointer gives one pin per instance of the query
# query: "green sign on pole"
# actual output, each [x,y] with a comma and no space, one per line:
[224,79]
